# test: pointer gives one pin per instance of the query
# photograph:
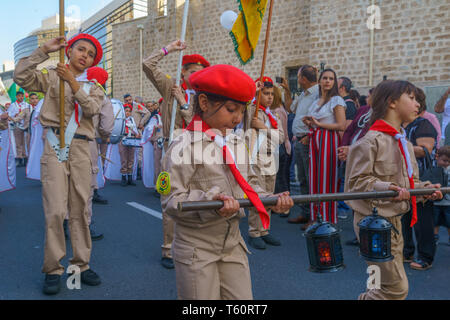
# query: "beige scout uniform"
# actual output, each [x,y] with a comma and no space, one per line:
[208,250]
[264,166]
[126,152]
[373,164]
[157,151]
[104,124]
[22,118]
[164,84]
[140,114]
[65,185]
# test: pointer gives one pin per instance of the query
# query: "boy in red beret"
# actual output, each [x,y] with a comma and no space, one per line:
[66,173]
[209,252]
[184,96]
[264,136]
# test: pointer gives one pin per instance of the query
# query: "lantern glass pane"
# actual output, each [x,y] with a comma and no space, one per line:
[324,252]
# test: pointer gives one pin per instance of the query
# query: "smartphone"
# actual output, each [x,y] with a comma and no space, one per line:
[279,79]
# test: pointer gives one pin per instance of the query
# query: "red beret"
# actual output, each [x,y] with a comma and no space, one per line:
[98,74]
[225,81]
[85,36]
[195,59]
[127,105]
[161,100]
[265,79]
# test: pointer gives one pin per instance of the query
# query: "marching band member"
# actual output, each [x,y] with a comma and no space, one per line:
[169,91]
[7,164]
[384,160]
[37,143]
[209,252]
[127,153]
[19,111]
[267,129]
[66,173]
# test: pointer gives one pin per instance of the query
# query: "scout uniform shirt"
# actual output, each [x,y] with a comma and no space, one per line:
[164,84]
[140,114]
[47,80]
[20,113]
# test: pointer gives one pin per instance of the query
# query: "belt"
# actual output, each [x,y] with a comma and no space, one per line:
[75,136]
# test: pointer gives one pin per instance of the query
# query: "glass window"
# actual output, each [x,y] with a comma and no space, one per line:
[162,8]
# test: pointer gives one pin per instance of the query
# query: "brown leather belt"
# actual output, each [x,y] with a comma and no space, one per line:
[75,136]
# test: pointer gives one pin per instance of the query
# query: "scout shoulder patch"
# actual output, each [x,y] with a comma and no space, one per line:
[163,183]
[44,71]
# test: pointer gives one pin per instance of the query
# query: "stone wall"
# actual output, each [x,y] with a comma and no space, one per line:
[413,42]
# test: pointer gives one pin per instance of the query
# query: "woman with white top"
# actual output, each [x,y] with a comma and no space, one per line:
[326,119]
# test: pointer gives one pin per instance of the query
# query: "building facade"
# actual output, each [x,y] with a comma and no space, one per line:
[100,26]
[412,42]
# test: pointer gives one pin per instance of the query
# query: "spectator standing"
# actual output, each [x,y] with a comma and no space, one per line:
[441,209]
[301,106]
[345,85]
[327,118]
[422,135]
[443,106]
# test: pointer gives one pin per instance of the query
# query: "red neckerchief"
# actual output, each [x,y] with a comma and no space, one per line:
[273,121]
[228,159]
[384,127]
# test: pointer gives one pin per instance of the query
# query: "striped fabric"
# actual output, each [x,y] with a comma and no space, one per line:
[323,171]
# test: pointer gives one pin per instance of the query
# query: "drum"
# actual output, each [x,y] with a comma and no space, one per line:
[119,122]
[132,142]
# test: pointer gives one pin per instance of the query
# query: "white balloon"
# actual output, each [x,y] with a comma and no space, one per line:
[227,19]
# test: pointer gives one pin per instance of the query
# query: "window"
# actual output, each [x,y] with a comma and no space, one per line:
[162,8]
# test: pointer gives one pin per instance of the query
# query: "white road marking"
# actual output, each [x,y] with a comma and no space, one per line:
[151,212]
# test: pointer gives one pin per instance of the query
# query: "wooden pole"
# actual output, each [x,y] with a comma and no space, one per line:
[271,201]
[61,82]
[180,62]
[266,47]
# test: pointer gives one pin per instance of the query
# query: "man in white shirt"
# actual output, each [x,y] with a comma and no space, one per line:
[307,79]
[443,105]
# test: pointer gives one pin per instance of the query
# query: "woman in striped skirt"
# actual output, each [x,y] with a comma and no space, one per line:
[326,119]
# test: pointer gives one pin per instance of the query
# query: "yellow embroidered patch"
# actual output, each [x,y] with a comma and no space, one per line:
[245,196]
[168,76]
[44,71]
[163,183]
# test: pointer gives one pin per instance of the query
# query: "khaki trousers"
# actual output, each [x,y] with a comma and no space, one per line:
[207,268]
[126,159]
[66,187]
[157,155]
[103,148]
[168,227]
[254,221]
[19,136]
[394,282]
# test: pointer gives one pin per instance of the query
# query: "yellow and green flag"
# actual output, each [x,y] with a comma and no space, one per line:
[246,29]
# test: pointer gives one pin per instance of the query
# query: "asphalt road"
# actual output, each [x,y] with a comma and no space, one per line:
[128,258]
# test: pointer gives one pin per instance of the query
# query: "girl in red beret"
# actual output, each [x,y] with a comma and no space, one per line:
[264,139]
[66,173]
[165,84]
[208,162]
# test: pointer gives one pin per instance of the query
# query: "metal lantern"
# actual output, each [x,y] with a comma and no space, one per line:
[375,238]
[324,247]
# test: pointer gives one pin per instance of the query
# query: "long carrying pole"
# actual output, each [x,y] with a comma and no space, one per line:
[61,82]
[271,201]
[180,62]
[266,47]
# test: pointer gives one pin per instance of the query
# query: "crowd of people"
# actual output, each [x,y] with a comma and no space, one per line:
[329,138]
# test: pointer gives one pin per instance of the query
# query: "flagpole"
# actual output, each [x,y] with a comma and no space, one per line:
[61,82]
[180,62]
[266,47]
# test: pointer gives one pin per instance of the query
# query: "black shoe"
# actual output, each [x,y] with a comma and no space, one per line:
[52,284]
[353,242]
[130,180]
[257,243]
[123,183]
[156,194]
[167,263]
[17,162]
[90,278]
[98,198]
[66,228]
[25,161]
[94,235]
[139,174]
[269,239]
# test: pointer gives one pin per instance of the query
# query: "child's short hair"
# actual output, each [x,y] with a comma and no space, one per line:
[443,151]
